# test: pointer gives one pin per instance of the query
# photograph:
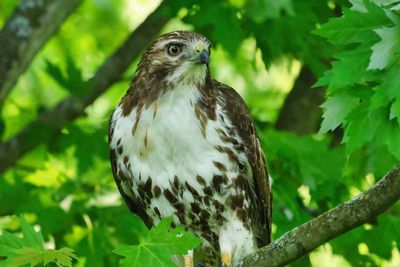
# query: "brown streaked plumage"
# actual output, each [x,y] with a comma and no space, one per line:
[184,145]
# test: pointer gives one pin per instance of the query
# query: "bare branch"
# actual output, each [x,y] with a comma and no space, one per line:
[345,217]
[50,122]
[25,33]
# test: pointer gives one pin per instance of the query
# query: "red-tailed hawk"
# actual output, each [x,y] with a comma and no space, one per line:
[184,145]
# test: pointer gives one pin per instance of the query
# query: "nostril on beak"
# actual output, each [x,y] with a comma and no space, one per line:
[203,57]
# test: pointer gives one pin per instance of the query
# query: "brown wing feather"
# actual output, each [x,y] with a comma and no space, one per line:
[240,117]
[124,184]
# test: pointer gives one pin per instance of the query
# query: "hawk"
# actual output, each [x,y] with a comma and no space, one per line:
[184,145]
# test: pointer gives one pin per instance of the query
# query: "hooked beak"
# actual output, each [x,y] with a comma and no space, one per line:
[203,57]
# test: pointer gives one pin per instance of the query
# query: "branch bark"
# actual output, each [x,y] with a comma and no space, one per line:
[343,218]
[25,33]
[48,124]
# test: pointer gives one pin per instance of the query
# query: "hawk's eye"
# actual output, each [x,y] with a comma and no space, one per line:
[174,50]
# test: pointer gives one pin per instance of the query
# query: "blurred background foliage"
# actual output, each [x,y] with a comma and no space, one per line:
[265,50]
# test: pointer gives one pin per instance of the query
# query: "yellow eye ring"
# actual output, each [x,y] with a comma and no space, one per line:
[174,50]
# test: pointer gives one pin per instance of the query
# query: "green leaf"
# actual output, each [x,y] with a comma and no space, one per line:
[30,249]
[56,73]
[390,83]
[362,126]
[158,246]
[354,26]
[30,238]
[395,110]
[62,257]
[27,255]
[337,108]
[349,69]
[219,22]
[387,50]
[72,80]
[387,2]
[33,256]
[260,10]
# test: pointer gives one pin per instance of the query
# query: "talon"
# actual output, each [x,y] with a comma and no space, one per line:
[226,259]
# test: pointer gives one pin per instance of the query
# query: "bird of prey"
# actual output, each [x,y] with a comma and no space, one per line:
[184,145]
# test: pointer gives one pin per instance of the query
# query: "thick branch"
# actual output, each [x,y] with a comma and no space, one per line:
[303,239]
[50,122]
[25,33]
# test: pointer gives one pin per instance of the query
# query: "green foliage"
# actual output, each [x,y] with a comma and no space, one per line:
[30,249]
[158,246]
[260,10]
[72,80]
[362,90]
[362,84]
[277,26]
[337,108]
[294,162]
[66,185]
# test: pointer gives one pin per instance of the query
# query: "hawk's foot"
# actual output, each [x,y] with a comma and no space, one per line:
[226,259]
[188,258]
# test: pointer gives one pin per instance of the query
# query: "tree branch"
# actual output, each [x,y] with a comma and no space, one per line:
[50,122]
[330,224]
[29,28]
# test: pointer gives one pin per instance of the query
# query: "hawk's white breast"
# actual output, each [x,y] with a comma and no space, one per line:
[174,144]
[168,142]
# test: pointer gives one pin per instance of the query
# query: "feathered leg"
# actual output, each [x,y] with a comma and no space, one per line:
[189,259]
[226,258]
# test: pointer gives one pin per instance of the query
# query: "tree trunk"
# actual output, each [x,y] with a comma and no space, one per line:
[301,113]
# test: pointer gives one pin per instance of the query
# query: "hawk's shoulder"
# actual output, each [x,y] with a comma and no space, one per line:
[239,115]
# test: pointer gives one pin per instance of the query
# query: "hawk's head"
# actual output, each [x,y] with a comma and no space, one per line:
[177,57]
[175,60]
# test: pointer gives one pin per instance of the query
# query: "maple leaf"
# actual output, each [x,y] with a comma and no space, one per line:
[30,249]
[349,69]
[158,247]
[337,108]
[387,50]
[356,25]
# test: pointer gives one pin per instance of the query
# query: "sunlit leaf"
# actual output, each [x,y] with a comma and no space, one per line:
[30,249]
[387,50]
[337,108]
[354,26]
[160,244]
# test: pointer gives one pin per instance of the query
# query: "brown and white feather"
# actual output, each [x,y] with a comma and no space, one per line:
[184,145]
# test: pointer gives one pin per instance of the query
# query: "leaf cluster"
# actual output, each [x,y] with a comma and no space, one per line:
[362,85]
[30,249]
[158,246]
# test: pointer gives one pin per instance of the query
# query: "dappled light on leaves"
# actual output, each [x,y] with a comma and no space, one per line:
[53,124]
